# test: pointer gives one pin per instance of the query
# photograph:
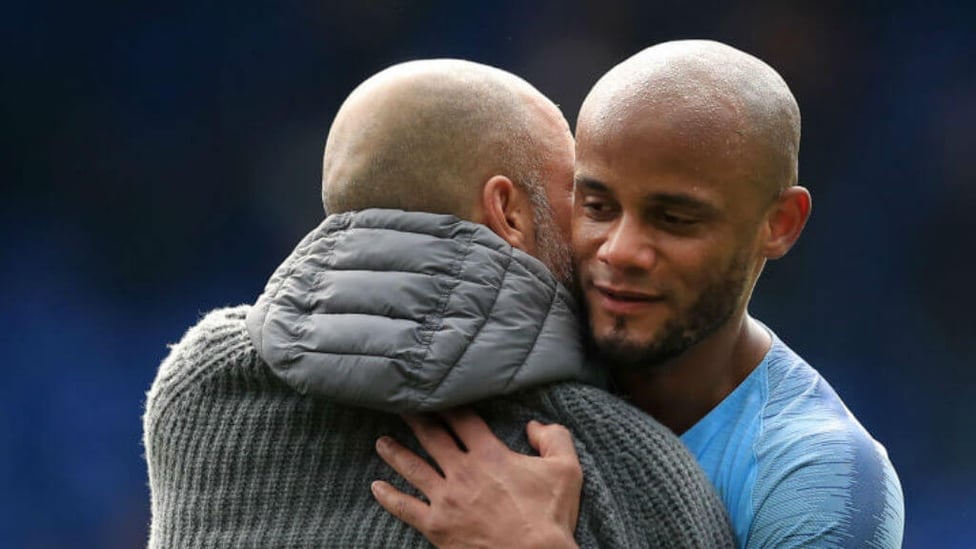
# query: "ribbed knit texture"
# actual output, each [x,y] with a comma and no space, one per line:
[239,459]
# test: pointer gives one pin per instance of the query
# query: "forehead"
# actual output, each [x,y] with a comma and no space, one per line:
[701,150]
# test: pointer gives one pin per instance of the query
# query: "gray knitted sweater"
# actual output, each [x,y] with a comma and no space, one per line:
[238,457]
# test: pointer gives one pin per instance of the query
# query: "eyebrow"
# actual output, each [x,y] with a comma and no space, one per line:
[681,200]
[591,184]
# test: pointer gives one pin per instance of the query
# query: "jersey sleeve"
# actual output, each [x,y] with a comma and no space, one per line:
[828,486]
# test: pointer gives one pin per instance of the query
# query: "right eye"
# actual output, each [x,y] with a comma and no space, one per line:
[597,208]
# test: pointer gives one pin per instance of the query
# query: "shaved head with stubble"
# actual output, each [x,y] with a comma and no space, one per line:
[456,137]
[686,154]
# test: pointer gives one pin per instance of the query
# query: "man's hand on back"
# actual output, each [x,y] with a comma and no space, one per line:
[488,496]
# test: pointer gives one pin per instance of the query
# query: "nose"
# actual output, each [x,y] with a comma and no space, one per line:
[627,246]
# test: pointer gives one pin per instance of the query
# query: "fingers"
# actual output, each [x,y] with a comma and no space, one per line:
[434,438]
[409,465]
[403,506]
[471,429]
[555,446]
[551,441]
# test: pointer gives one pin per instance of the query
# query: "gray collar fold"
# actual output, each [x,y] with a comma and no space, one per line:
[407,312]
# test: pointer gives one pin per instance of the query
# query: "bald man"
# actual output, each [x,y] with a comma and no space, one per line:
[435,281]
[686,184]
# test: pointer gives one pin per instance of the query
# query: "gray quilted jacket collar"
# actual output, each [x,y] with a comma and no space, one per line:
[406,312]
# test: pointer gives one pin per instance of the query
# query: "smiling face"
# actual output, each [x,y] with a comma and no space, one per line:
[667,221]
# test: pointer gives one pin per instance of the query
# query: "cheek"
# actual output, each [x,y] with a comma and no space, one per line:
[688,266]
[697,269]
[585,237]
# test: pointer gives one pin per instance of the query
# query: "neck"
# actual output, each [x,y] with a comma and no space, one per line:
[684,389]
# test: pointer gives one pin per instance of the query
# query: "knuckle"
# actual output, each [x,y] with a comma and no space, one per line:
[412,467]
[450,500]
[562,433]
[437,529]
[568,469]
[558,429]
[400,509]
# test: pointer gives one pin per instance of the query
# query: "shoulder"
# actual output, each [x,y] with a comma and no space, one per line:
[614,429]
[636,469]
[811,444]
[851,495]
[599,415]
[219,342]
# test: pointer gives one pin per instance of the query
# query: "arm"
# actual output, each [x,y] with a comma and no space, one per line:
[488,495]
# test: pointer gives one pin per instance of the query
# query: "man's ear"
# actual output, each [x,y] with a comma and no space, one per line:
[508,212]
[786,220]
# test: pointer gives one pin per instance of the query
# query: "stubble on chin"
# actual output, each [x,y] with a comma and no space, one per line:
[622,348]
[618,351]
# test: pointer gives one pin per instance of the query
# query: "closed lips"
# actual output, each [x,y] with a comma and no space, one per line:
[625,295]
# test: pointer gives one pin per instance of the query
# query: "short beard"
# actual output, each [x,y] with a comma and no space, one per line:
[711,311]
[551,249]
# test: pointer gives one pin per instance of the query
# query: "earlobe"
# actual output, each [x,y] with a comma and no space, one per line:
[506,211]
[786,221]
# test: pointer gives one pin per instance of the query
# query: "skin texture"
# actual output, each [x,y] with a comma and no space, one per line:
[685,185]
[522,501]
[455,137]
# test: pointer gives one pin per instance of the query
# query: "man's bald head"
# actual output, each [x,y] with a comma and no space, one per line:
[425,135]
[713,97]
[686,172]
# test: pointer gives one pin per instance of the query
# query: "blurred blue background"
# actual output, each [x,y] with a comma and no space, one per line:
[160,159]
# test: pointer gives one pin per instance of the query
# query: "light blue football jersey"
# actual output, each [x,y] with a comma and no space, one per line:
[794,466]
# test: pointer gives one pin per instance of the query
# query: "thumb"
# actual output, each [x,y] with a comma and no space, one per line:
[551,441]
